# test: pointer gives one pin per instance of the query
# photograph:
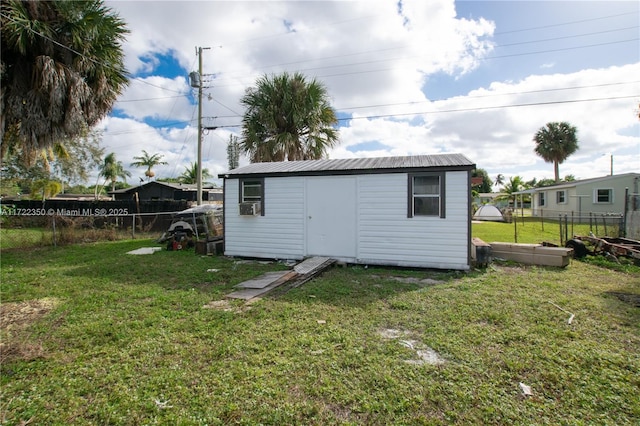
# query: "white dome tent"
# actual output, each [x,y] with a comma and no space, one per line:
[488,212]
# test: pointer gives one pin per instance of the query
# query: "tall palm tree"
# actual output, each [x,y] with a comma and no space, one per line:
[287,118]
[555,143]
[190,174]
[149,161]
[111,169]
[499,180]
[62,70]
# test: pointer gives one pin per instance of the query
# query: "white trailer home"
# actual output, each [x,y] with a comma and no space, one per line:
[603,195]
[401,211]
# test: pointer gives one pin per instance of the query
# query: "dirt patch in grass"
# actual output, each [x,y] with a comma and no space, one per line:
[15,319]
[630,298]
[423,353]
[226,306]
[422,282]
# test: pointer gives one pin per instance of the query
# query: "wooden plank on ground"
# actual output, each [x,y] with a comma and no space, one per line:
[533,258]
[263,280]
[250,293]
[262,285]
[529,248]
[310,265]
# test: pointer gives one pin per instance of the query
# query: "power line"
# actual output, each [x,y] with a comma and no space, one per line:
[453,110]
[491,107]
[488,95]
[419,56]
[567,37]
[151,99]
[562,24]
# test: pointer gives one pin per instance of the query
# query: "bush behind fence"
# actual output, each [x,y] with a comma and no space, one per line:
[58,229]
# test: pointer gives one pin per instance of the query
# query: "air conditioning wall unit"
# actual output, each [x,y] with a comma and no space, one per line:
[249,209]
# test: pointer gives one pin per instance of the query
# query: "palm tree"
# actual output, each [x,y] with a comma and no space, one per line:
[515,184]
[62,70]
[287,118]
[111,169]
[499,180]
[148,161]
[555,143]
[190,174]
[45,188]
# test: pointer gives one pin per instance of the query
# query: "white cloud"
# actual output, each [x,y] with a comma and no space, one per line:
[374,60]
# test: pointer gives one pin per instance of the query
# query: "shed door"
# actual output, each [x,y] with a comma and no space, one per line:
[331,216]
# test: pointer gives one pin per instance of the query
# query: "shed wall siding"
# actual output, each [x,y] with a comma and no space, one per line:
[279,234]
[384,233]
[388,236]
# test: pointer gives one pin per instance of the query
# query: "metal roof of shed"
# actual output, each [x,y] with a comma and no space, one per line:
[354,165]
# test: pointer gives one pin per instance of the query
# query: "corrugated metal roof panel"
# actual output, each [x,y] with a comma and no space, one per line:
[353,164]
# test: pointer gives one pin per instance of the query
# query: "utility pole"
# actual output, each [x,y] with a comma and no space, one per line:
[197,81]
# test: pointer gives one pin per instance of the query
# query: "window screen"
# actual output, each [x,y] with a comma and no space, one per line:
[603,195]
[426,196]
[251,191]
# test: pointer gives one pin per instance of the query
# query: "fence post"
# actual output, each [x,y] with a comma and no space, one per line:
[560,227]
[604,223]
[622,227]
[572,230]
[53,226]
[542,219]
[515,229]
[133,226]
[623,219]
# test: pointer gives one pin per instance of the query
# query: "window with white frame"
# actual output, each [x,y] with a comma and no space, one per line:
[426,195]
[542,199]
[603,196]
[561,197]
[252,191]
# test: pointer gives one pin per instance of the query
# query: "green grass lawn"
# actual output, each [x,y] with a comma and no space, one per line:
[91,335]
[532,230]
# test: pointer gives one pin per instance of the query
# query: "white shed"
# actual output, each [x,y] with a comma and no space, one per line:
[401,211]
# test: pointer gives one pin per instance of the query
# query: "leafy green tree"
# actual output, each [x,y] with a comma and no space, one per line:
[61,72]
[68,161]
[485,186]
[287,118]
[543,182]
[149,161]
[555,143]
[81,154]
[111,169]
[190,174]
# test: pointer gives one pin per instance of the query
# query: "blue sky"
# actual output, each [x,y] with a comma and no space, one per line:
[409,77]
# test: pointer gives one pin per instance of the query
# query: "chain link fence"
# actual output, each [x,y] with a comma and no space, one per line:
[564,225]
[24,228]
[35,229]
